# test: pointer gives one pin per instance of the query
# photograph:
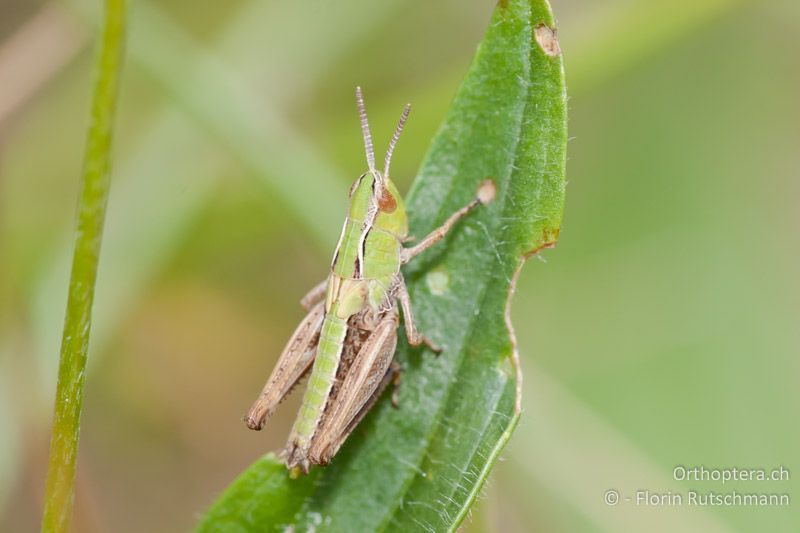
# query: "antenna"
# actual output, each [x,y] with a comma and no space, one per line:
[362,113]
[395,137]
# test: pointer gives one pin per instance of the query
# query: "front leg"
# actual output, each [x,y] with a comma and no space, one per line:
[484,195]
[316,294]
[414,337]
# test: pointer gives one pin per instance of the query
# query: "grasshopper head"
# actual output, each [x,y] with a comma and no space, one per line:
[374,191]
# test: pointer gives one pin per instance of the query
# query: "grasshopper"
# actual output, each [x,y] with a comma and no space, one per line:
[348,338]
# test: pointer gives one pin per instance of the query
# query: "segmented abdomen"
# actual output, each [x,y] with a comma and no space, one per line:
[323,373]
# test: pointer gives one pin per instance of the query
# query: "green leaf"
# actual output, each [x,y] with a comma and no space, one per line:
[420,467]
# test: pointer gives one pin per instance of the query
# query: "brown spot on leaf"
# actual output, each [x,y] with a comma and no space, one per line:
[486,191]
[549,240]
[548,40]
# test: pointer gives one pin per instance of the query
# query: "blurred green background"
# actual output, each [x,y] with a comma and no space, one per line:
[662,331]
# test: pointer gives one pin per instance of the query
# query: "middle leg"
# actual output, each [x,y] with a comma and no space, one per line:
[415,338]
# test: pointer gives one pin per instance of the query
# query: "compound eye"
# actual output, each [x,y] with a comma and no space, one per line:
[387,203]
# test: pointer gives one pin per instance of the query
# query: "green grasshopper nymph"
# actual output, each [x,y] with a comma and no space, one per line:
[349,336]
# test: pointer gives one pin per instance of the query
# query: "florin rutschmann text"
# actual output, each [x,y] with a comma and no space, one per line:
[674,497]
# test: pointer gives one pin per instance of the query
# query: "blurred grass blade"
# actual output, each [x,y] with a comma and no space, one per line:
[88,236]
[419,467]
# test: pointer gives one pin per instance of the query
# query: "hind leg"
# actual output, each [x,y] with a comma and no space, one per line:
[294,362]
[369,374]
